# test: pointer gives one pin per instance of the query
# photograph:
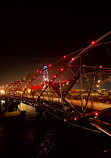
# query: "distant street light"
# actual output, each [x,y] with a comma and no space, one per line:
[99,81]
[2,91]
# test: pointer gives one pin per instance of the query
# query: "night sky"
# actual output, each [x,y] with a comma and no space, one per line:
[31,37]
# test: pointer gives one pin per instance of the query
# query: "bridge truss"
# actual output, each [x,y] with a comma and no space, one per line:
[65,76]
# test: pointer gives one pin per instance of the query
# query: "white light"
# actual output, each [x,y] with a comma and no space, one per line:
[3,101]
[98,81]
[2,91]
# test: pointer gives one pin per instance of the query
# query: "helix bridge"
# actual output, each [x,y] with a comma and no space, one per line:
[76,88]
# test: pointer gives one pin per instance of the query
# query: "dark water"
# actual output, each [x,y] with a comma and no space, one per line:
[47,137]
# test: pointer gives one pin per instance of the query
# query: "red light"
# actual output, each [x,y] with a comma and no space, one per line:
[72,59]
[40,71]
[69,65]
[62,69]
[64,56]
[83,65]
[50,65]
[75,118]
[50,80]
[34,76]
[64,119]
[93,42]
[96,113]
[47,84]
[55,76]
[100,66]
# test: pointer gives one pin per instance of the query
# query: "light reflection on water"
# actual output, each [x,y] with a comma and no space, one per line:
[40,137]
